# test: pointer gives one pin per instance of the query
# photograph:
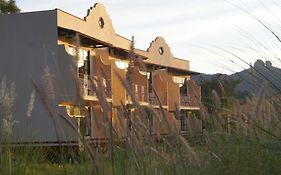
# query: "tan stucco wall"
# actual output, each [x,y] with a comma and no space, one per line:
[90,27]
[165,59]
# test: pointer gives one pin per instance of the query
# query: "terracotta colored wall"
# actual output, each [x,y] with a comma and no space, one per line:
[99,123]
[142,82]
[160,86]
[119,122]
[118,90]
[100,69]
[173,95]
[194,93]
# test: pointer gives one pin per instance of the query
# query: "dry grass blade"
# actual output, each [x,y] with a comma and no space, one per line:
[260,101]
[159,154]
[216,98]
[43,97]
[162,111]
[30,105]
[221,87]
[47,78]
[131,95]
[193,155]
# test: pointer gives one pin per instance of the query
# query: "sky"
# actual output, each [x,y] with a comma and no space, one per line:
[217,36]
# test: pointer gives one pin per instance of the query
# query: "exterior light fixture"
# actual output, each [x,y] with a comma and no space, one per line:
[178,80]
[122,64]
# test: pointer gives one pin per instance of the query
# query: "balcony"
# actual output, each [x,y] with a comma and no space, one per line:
[153,99]
[184,100]
[154,102]
[87,86]
[188,101]
[140,94]
[191,97]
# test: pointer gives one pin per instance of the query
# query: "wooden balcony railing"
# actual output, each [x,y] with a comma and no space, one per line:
[140,93]
[184,100]
[87,86]
[87,89]
[194,93]
[153,99]
[189,101]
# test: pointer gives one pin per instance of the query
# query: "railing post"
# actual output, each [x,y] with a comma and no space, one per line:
[80,144]
[86,85]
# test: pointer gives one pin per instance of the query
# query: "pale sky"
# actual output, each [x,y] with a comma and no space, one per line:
[217,36]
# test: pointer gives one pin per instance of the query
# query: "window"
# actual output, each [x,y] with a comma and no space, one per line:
[161,50]
[184,124]
[101,22]
[85,129]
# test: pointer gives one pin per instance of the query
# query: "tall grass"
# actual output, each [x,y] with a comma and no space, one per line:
[252,147]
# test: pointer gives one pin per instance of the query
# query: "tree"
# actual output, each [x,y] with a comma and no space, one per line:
[223,86]
[7,7]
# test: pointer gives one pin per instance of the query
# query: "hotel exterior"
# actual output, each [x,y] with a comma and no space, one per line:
[82,69]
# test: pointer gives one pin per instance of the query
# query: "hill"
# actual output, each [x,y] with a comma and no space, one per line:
[251,79]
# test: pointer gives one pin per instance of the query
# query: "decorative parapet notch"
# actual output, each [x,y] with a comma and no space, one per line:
[160,54]
[96,24]
[100,21]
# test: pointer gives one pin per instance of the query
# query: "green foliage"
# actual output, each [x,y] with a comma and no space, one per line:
[7,7]
[225,154]
[242,96]
[219,84]
[238,154]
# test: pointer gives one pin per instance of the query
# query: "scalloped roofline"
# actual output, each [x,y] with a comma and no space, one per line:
[83,19]
[122,42]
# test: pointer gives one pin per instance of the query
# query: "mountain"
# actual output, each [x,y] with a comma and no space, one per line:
[251,79]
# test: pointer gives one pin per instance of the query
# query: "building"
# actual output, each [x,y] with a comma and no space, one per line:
[63,65]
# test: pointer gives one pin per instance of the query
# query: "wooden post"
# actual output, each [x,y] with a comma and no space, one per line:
[80,144]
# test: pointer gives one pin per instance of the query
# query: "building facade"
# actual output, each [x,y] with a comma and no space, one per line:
[84,75]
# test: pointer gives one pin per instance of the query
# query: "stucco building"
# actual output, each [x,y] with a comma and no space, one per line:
[71,63]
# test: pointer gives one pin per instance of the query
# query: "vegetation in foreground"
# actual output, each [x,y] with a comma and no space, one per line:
[237,138]
[251,148]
